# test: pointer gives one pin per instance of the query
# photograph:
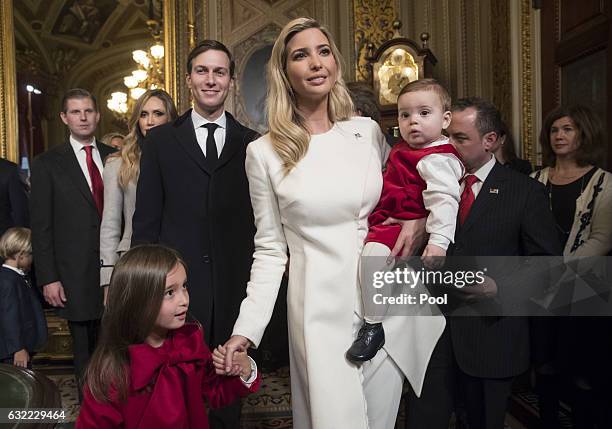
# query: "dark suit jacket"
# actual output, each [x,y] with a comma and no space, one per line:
[520,165]
[13,197]
[66,230]
[516,220]
[205,215]
[22,321]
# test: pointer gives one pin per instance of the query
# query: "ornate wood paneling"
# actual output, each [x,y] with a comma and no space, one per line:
[577,57]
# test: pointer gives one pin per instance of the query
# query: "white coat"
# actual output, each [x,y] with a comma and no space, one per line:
[320,211]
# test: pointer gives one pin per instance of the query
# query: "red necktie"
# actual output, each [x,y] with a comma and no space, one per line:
[97,185]
[467,198]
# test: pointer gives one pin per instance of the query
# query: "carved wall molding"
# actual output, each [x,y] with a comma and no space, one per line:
[242,53]
[528,148]
[8,85]
[372,21]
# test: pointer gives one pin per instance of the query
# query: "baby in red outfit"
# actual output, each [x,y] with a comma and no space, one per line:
[421,179]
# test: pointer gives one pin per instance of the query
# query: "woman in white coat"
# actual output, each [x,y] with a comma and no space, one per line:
[155,107]
[314,179]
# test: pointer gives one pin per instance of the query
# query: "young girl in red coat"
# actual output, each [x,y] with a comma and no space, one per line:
[151,369]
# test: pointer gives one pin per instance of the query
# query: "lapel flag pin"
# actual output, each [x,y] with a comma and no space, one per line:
[493,191]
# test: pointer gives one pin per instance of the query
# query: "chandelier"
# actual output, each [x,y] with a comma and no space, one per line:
[148,75]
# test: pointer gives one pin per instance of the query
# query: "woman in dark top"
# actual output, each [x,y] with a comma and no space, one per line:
[581,200]
[503,150]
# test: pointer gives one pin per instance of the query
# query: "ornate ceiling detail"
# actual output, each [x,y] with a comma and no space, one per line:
[54,39]
[83,19]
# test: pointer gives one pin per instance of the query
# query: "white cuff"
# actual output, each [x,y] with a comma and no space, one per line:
[439,240]
[249,382]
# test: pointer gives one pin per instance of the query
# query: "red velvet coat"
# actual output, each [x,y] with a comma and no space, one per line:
[170,387]
[402,193]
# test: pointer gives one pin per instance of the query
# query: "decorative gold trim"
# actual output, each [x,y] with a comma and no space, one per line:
[9,136]
[191,26]
[177,43]
[372,23]
[170,48]
[528,148]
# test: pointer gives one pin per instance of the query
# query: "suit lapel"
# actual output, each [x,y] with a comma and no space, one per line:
[71,165]
[234,141]
[186,137]
[489,193]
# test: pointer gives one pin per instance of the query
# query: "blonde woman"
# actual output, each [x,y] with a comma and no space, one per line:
[153,108]
[314,179]
[114,139]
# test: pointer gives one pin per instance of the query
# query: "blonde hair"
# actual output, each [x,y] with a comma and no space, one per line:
[14,241]
[288,132]
[130,152]
[108,138]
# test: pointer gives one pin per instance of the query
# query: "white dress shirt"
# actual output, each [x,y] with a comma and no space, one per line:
[482,174]
[202,133]
[441,172]
[21,273]
[79,151]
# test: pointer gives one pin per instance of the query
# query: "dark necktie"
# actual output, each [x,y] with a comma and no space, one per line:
[467,198]
[97,185]
[211,146]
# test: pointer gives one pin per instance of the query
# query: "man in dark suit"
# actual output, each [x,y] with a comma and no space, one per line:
[501,213]
[193,195]
[13,197]
[66,206]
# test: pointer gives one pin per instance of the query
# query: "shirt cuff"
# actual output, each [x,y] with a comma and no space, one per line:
[249,382]
[439,240]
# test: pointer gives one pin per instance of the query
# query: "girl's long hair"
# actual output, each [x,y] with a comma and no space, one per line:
[134,300]
[130,152]
[288,132]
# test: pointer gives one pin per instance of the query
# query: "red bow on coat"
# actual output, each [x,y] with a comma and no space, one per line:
[186,351]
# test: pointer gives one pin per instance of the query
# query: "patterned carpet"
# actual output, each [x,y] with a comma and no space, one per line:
[270,407]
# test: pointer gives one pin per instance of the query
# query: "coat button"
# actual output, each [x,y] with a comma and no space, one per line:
[206,259]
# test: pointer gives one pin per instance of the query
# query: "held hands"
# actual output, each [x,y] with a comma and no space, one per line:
[411,238]
[21,358]
[241,363]
[433,256]
[54,294]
